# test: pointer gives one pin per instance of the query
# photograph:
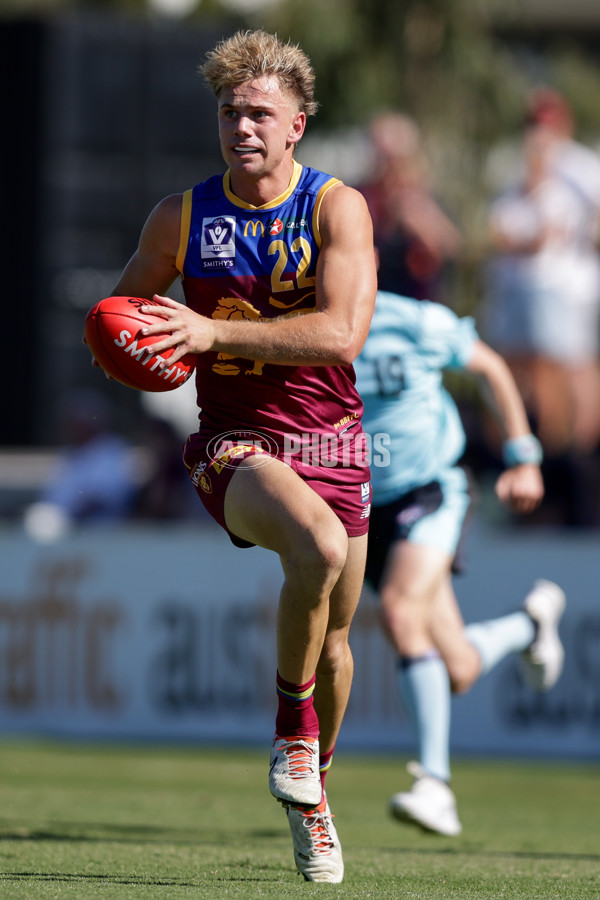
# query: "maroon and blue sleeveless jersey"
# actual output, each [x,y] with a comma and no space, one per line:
[242,262]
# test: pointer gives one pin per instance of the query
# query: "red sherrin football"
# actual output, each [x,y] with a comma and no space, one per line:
[113,333]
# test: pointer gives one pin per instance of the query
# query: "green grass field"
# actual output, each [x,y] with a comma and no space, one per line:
[148,822]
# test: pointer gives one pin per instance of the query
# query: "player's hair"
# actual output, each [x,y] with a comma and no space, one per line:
[250,54]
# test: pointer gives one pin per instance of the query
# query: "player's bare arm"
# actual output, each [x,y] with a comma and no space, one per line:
[520,486]
[345,295]
[505,397]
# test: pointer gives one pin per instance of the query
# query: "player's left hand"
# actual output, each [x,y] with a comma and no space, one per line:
[521,488]
[189,332]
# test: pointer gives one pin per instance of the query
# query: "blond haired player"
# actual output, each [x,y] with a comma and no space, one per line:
[279,280]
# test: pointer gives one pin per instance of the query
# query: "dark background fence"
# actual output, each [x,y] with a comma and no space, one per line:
[103,117]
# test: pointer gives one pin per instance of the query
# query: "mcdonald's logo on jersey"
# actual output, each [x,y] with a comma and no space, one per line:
[254,224]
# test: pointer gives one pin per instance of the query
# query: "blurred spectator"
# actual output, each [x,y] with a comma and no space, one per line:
[416,238]
[167,492]
[543,301]
[179,408]
[95,479]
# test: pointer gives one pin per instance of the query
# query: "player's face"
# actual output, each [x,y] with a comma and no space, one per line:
[259,125]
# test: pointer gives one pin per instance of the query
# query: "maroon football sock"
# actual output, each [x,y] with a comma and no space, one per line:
[296,715]
[325,760]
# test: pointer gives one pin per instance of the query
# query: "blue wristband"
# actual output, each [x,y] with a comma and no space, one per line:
[523,450]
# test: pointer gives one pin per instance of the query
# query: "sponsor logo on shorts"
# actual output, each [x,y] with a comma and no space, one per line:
[224,449]
[200,479]
[365,492]
[411,514]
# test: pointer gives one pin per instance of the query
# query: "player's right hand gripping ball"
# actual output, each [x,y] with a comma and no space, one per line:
[113,334]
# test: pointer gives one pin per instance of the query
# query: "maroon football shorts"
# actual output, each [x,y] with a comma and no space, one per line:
[349,498]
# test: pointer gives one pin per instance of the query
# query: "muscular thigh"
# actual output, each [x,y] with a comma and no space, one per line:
[271,506]
[429,518]
[410,584]
[415,572]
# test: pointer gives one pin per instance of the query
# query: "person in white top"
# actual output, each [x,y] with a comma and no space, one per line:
[543,292]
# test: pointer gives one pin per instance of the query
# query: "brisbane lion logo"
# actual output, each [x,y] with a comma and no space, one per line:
[236,309]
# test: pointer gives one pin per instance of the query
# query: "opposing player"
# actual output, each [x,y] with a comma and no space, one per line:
[279,280]
[420,498]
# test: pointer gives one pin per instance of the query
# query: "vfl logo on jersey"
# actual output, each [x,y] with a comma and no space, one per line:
[218,243]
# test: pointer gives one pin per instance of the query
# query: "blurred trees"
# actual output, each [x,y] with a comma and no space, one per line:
[442,62]
[462,69]
[450,66]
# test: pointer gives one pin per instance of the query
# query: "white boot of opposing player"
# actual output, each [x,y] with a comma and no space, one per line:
[429,804]
[317,849]
[543,660]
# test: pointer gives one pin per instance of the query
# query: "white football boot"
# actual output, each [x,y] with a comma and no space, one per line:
[430,804]
[294,772]
[542,662]
[317,849]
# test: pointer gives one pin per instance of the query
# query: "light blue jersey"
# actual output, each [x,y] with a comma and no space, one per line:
[407,410]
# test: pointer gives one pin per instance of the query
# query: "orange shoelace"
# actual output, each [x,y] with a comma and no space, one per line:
[300,758]
[314,820]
